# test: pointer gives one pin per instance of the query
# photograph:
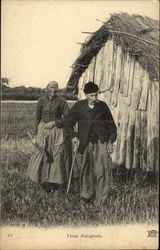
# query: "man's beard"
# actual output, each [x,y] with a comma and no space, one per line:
[93,102]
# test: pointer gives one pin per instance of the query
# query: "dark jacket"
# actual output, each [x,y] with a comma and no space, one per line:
[50,109]
[98,119]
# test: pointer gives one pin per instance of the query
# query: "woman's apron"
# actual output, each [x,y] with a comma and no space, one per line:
[57,166]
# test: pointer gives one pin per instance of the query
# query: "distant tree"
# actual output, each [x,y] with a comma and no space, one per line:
[30,93]
[5,81]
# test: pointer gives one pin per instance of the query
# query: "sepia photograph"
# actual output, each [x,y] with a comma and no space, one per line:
[79,124]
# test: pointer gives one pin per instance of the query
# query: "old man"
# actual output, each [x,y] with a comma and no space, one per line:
[96,134]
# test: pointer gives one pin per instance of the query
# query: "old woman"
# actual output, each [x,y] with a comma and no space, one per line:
[50,162]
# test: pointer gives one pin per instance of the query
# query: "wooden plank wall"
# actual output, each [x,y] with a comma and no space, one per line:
[134,102]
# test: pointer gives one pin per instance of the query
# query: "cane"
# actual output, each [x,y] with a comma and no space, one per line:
[70,175]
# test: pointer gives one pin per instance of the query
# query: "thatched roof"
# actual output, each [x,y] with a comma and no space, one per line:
[145,53]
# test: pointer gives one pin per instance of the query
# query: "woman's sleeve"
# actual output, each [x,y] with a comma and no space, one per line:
[70,121]
[64,112]
[64,108]
[38,113]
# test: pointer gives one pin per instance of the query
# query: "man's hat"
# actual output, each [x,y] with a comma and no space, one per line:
[90,87]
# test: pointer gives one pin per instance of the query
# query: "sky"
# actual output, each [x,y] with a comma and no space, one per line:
[39,37]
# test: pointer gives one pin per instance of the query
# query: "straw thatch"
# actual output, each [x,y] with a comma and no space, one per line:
[145,53]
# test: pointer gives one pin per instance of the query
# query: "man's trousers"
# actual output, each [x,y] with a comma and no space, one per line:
[95,171]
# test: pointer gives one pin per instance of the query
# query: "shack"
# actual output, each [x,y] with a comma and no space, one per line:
[122,57]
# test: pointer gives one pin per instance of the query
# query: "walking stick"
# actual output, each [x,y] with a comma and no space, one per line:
[70,175]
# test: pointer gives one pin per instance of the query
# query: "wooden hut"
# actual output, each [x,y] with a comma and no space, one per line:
[122,58]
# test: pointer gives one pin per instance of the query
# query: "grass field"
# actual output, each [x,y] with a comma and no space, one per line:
[24,203]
